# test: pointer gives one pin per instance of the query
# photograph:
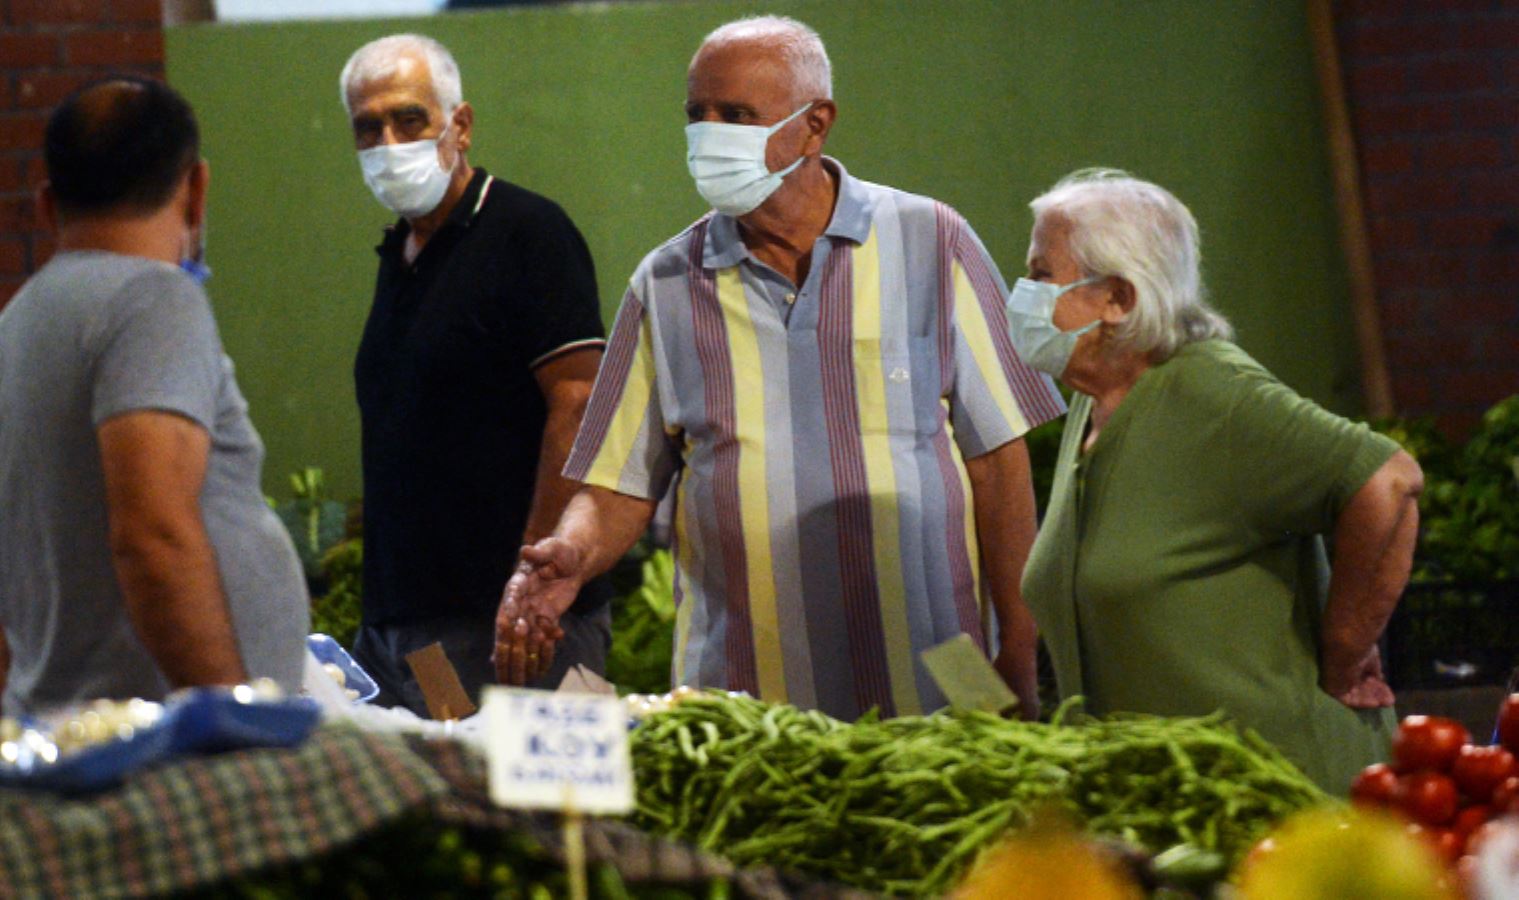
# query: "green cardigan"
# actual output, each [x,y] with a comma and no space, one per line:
[1180,567]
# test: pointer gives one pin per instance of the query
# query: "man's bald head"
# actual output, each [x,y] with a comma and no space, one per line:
[794,45]
[122,145]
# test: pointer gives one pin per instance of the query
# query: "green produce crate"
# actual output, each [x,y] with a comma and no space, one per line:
[1446,634]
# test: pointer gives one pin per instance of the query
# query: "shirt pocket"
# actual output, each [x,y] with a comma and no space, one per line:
[894,382]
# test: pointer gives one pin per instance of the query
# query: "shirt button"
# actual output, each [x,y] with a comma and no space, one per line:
[790,297]
[898,375]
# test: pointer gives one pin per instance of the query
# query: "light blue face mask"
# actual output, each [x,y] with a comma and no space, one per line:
[1031,322]
[194,265]
[728,163]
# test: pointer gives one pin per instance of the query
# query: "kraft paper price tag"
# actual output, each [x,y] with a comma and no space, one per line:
[967,678]
[549,750]
[439,682]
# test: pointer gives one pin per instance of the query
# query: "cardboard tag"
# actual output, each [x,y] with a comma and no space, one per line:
[439,682]
[580,680]
[967,678]
[549,750]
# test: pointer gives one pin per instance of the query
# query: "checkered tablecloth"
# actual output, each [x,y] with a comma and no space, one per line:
[199,822]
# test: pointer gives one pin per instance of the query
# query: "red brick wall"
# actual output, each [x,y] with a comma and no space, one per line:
[48,47]
[1434,100]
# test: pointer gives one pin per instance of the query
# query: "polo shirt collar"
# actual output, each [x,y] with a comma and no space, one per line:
[724,247]
[459,217]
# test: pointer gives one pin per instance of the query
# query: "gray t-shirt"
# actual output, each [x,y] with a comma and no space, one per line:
[94,335]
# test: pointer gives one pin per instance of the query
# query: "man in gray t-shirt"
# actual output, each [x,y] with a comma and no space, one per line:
[138,553]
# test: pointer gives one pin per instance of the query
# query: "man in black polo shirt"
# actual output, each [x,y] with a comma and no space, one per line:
[473,372]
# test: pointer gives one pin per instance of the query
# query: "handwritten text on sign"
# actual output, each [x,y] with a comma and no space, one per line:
[558,751]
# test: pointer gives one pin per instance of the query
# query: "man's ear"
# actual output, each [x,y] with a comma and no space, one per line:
[46,205]
[820,120]
[464,123]
[198,182]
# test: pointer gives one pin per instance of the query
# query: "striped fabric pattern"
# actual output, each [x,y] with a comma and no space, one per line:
[817,437]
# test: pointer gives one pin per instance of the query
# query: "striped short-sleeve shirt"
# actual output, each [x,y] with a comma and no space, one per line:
[824,532]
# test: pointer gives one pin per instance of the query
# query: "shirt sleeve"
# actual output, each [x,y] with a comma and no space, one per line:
[1295,464]
[157,349]
[559,307]
[623,445]
[995,397]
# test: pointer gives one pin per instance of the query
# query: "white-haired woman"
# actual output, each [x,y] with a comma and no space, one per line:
[1180,567]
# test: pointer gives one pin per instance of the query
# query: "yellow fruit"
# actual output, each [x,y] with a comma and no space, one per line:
[1343,854]
[1046,865]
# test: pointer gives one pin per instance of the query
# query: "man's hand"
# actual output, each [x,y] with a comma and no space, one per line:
[597,527]
[548,578]
[1359,684]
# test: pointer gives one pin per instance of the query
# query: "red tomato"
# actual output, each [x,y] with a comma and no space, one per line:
[1478,770]
[1505,794]
[1470,819]
[1427,797]
[1508,723]
[1375,786]
[1427,743]
[1447,843]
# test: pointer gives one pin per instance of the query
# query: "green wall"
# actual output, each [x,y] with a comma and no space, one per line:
[979,103]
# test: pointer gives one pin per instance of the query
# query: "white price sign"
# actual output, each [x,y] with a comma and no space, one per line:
[558,751]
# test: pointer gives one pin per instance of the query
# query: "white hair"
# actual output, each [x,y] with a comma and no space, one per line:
[1125,227]
[379,58]
[799,46]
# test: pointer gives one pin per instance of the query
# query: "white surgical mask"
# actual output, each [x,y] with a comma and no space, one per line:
[728,163]
[408,179]
[1031,322]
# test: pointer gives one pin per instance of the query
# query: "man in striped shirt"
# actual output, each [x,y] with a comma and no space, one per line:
[822,368]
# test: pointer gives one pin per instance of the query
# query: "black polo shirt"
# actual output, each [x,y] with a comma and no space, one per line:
[452,417]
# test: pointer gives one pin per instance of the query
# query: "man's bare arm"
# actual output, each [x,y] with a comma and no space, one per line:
[154,464]
[1003,494]
[565,382]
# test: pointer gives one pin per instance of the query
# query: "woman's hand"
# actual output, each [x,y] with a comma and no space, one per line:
[1359,684]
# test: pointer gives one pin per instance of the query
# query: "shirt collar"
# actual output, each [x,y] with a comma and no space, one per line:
[460,216]
[851,220]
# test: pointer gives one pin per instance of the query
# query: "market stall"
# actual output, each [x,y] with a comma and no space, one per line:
[344,813]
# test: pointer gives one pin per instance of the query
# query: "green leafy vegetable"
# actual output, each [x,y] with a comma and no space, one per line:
[336,613]
[643,625]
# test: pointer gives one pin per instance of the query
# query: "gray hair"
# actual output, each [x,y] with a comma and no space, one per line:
[799,46]
[1125,227]
[378,58]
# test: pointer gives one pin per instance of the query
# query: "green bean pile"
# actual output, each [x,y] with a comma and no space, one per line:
[904,805]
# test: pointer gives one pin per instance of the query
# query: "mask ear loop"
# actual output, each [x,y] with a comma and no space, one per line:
[771,132]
